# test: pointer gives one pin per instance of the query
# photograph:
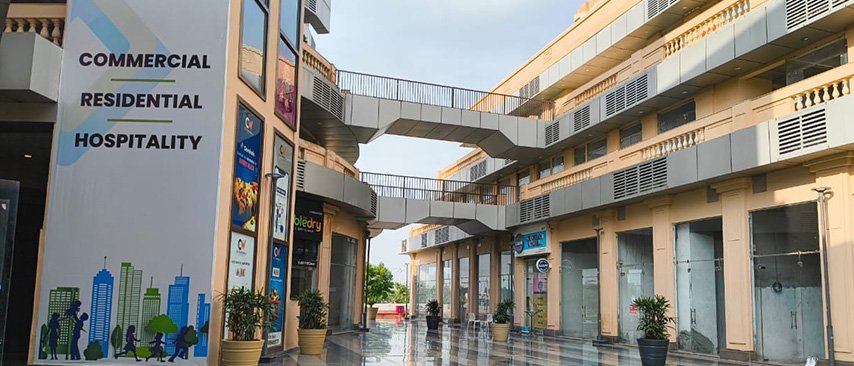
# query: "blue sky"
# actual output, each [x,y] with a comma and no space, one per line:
[465,43]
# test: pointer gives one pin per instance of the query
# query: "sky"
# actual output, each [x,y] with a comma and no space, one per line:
[464,43]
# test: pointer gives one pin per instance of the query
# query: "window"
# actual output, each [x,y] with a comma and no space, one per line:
[286,88]
[817,61]
[676,117]
[593,150]
[304,271]
[545,169]
[483,284]
[551,166]
[580,155]
[630,135]
[557,164]
[289,21]
[523,177]
[505,276]
[253,44]
[506,192]
[425,286]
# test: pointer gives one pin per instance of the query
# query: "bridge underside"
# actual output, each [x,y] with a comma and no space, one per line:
[473,218]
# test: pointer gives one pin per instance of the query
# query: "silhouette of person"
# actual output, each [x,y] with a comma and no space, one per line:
[73,309]
[130,343]
[180,345]
[53,334]
[157,349]
[75,335]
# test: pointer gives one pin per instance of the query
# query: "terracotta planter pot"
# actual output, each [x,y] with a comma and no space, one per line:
[311,341]
[372,313]
[241,353]
[500,332]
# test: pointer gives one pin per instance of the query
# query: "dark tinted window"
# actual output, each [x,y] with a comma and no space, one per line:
[630,135]
[289,21]
[253,43]
[677,116]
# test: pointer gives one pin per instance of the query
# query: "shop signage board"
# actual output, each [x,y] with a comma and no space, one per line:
[534,242]
[308,220]
[543,265]
[135,177]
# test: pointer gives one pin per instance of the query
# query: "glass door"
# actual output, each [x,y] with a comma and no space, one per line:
[699,286]
[343,282]
[8,216]
[579,288]
[463,293]
[590,302]
[635,267]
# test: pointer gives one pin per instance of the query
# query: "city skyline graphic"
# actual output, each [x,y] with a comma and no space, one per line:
[128,306]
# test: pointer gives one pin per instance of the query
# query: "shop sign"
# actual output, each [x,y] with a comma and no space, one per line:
[308,220]
[278,271]
[135,178]
[284,165]
[530,243]
[247,166]
[543,265]
[241,261]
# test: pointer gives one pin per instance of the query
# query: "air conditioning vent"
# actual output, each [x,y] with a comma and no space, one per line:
[552,133]
[536,208]
[626,96]
[582,118]
[443,235]
[311,5]
[799,12]
[301,175]
[477,171]
[655,7]
[801,132]
[640,178]
[328,98]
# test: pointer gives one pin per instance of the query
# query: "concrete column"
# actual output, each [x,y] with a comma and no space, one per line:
[440,281]
[519,291]
[325,253]
[663,252]
[455,283]
[494,269]
[738,294]
[608,276]
[553,276]
[835,172]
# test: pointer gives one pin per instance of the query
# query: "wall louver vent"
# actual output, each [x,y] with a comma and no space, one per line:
[301,175]
[803,131]
[530,89]
[443,235]
[477,171]
[640,178]
[552,133]
[799,12]
[536,208]
[424,240]
[626,96]
[374,203]
[655,7]
[582,118]
[326,97]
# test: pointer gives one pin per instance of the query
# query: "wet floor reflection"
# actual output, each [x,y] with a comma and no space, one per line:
[410,343]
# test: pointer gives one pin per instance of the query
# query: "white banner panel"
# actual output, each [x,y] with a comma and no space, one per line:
[128,257]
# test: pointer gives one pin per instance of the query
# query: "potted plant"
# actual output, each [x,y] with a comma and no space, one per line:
[312,322]
[433,315]
[501,321]
[245,313]
[653,323]
[379,286]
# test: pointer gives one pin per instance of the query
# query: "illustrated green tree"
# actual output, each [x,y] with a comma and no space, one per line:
[116,339]
[399,294]
[192,337]
[93,351]
[380,283]
[161,324]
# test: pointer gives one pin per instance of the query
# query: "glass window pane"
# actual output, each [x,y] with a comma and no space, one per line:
[677,117]
[580,155]
[464,287]
[557,164]
[253,41]
[286,98]
[524,177]
[816,62]
[289,21]
[483,284]
[596,149]
[545,169]
[506,276]
[630,135]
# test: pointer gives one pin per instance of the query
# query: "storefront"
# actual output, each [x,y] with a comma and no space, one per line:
[579,301]
[531,249]
[636,278]
[308,234]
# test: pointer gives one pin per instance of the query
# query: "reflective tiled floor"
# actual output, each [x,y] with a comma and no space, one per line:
[409,343]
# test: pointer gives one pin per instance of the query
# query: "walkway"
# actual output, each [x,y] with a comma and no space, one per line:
[405,343]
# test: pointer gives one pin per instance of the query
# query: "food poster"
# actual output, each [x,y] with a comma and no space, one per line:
[284,160]
[276,285]
[244,213]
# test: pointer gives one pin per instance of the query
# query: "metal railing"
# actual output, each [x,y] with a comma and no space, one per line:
[430,189]
[443,96]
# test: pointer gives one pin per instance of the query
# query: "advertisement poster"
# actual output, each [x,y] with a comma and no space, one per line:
[241,261]
[284,166]
[276,286]
[540,301]
[286,97]
[247,170]
[308,220]
[132,202]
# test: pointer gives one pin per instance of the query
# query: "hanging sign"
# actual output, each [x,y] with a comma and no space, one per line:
[543,265]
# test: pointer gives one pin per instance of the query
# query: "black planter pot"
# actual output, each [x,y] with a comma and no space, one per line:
[653,352]
[433,322]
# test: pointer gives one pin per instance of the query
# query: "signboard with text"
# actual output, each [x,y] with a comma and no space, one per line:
[308,220]
[284,162]
[530,243]
[278,271]
[133,195]
[247,167]
[241,261]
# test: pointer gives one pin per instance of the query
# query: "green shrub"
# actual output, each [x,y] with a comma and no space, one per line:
[653,320]
[312,310]
[502,312]
[245,312]
[432,308]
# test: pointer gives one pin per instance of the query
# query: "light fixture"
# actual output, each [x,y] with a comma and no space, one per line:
[684,92]
[28,156]
[805,39]
[738,68]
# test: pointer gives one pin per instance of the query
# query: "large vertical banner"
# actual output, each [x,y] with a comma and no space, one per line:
[278,271]
[128,253]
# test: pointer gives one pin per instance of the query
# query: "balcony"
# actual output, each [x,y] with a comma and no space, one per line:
[46,20]
[315,61]
[30,54]
[317,14]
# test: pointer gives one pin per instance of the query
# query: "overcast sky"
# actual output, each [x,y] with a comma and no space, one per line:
[465,43]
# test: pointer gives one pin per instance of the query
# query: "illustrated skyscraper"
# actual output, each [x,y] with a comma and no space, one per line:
[59,301]
[150,309]
[101,310]
[203,315]
[130,289]
[178,306]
